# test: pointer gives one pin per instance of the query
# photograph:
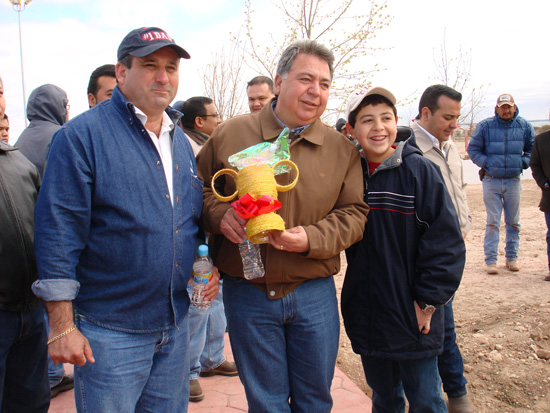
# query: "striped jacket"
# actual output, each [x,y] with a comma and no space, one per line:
[412,249]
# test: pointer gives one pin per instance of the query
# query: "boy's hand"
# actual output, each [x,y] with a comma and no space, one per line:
[423,319]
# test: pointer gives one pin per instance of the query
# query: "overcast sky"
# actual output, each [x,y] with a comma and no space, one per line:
[65,40]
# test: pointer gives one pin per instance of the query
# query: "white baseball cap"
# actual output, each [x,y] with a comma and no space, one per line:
[357,97]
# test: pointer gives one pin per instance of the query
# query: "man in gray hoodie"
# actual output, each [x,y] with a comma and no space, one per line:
[47,110]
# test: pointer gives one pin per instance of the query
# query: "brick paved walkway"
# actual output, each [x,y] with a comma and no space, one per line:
[226,394]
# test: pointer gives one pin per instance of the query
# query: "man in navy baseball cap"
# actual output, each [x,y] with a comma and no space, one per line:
[144,41]
[121,310]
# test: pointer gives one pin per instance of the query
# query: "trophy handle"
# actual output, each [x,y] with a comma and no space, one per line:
[292,165]
[221,172]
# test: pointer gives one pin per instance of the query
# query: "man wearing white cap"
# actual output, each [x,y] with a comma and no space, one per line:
[501,147]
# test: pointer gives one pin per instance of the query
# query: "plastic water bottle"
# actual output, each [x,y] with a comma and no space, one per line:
[202,272]
[252,260]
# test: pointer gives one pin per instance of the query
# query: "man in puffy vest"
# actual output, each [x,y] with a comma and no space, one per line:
[501,147]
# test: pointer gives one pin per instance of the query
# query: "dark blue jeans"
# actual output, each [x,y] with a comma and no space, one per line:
[450,363]
[24,383]
[285,348]
[417,379]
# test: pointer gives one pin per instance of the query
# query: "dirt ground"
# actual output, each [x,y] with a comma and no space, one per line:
[502,321]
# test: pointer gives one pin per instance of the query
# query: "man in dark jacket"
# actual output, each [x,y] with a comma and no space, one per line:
[47,110]
[23,362]
[540,166]
[501,146]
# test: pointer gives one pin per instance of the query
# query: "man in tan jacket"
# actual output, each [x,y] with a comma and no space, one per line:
[284,327]
[438,113]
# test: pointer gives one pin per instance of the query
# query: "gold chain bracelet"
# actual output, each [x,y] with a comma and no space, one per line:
[63,334]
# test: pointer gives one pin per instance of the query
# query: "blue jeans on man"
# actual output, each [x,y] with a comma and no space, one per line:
[206,335]
[23,361]
[391,380]
[134,371]
[286,348]
[501,194]
[450,363]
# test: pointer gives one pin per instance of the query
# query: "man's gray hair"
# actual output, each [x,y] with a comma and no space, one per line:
[310,47]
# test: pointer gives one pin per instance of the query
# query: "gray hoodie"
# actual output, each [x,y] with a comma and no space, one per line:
[46,111]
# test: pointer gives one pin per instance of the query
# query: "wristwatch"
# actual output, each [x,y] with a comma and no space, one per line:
[427,308]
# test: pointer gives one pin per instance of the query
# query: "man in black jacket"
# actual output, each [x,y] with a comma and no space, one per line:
[540,166]
[23,362]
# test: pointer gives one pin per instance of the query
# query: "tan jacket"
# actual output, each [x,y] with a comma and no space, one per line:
[452,171]
[327,200]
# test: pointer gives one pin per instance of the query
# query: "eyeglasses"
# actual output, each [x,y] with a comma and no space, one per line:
[217,115]
[68,106]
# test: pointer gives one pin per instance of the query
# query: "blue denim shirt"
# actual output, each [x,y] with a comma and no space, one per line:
[106,234]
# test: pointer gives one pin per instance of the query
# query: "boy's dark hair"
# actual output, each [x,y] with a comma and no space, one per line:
[192,108]
[105,70]
[431,95]
[370,100]
[261,80]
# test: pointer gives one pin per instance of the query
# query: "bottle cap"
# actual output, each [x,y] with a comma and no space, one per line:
[203,250]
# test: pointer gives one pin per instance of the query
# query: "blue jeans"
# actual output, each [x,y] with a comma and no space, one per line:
[419,380]
[206,335]
[133,372]
[547,217]
[499,194]
[23,361]
[450,363]
[285,349]
[55,371]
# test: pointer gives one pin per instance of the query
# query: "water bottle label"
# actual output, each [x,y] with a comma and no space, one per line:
[201,278]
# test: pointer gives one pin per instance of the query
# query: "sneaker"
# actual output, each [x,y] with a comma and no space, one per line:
[460,405]
[547,278]
[492,268]
[66,383]
[227,368]
[195,391]
[512,265]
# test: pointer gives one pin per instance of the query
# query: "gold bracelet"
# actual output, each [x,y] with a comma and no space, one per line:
[63,334]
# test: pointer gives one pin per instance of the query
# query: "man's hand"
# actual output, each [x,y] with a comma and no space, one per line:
[423,319]
[292,240]
[211,289]
[71,348]
[232,227]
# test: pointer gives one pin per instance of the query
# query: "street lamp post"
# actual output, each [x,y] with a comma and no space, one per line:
[19,6]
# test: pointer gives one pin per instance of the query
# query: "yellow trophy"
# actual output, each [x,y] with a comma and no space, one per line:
[257,188]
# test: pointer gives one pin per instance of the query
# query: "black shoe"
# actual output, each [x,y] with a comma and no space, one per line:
[66,383]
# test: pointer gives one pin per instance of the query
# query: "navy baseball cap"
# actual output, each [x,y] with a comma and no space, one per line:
[142,42]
